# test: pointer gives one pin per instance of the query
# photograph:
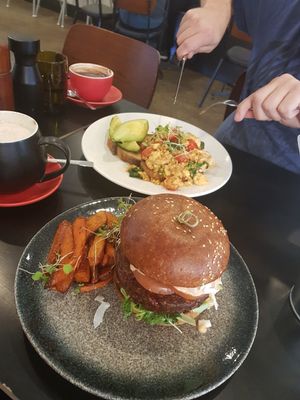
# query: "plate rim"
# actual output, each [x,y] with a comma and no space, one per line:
[157,189]
[97,392]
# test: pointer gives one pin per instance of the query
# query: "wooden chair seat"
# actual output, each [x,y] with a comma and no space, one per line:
[135,64]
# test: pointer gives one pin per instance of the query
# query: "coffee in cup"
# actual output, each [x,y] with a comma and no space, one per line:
[91,81]
[23,155]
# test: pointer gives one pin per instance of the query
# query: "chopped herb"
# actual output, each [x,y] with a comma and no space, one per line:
[135,172]
[195,167]
[164,130]
[201,145]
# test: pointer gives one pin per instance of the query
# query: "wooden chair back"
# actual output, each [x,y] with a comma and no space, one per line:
[144,7]
[235,32]
[135,64]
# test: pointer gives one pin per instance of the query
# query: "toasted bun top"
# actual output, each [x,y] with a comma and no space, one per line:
[171,252]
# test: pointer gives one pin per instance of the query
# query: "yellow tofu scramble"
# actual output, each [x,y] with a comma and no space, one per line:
[172,158]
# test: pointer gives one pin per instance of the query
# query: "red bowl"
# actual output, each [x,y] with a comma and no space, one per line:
[91,81]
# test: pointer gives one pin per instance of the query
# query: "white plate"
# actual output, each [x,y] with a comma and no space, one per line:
[95,149]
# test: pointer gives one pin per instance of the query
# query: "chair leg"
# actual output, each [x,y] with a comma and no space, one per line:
[211,81]
[76,11]
[63,12]
[35,7]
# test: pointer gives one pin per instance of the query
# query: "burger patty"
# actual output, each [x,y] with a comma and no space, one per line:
[169,304]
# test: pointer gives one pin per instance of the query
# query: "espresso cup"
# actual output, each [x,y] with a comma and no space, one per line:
[23,154]
[91,81]
[53,68]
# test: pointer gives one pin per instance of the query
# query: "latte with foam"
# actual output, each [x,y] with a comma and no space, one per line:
[12,132]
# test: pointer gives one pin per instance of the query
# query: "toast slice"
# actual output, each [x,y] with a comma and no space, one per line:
[129,157]
[112,146]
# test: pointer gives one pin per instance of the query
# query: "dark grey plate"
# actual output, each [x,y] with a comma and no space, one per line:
[126,359]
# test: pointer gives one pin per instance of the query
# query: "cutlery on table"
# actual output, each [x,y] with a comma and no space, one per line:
[298,141]
[81,163]
[73,93]
[179,79]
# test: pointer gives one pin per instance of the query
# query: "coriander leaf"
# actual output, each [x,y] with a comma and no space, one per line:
[67,268]
[37,276]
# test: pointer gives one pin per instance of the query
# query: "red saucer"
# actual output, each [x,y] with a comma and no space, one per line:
[113,96]
[34,193]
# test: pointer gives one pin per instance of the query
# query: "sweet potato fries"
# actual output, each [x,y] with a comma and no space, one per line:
[82,251]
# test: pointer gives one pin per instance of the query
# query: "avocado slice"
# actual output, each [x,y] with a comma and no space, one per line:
[130,146]
[114,123]
[130,131]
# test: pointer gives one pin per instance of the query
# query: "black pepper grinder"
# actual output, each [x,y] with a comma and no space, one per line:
[27,83]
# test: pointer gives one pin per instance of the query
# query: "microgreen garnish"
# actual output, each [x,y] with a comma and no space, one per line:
[112,234]
[46,270]
[172,146]
[188,218]
[67,268]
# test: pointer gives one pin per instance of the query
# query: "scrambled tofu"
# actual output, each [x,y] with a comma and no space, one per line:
[173,159]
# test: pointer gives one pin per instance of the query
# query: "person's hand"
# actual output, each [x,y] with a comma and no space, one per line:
[202,28]
[278,101]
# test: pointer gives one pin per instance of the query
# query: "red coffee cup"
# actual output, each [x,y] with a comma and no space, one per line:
[91,81]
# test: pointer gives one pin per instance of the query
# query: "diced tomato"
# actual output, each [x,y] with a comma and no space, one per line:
[181,158]
[191,145]
[173,138]
[146,152]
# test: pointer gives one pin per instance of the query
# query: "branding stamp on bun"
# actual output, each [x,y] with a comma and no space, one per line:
[173,251]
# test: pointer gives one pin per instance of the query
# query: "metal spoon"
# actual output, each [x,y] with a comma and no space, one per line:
[73,93]
[230,103]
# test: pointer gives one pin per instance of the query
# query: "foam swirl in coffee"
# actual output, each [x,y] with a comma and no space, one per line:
[13,132]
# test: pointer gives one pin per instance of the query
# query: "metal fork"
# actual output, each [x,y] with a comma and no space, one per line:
[230,103]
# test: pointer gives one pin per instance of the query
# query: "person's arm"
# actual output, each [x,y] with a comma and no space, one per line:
[202,28]
[278,101]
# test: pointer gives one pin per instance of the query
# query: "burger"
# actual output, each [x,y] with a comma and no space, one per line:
[172,254]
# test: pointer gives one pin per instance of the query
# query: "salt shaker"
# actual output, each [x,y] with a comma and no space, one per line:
[6,85]
[27,83]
